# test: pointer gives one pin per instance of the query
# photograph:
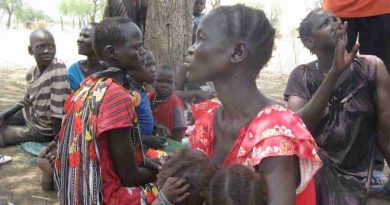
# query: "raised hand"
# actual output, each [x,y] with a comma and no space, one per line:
[342,59]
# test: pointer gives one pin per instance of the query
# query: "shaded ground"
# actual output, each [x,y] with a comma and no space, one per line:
[20,179]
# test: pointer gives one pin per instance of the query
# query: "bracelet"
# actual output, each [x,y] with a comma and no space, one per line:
[163,199]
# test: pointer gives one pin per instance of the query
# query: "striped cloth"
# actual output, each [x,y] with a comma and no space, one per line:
[45,96]
[84,170]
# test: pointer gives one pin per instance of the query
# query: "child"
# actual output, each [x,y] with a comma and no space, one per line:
[184,178]
[187,178]
[76,74]
[167,107]
[38,116]
[237,185]
[142,77]
[143,109]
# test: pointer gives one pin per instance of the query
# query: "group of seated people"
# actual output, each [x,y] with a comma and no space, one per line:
[107,133]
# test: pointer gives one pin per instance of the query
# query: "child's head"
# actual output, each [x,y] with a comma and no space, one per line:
[227,38]
[199,6]
[237,185]
[118,42]
[165,80]
[148,73]
[42,47]
[318,31]
[193,166]
[84,42]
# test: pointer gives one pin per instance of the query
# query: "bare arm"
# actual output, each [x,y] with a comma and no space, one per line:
[122,154]
[282,178]
[383,92]
[56,126]
[178,134]
[9,112]
[312,111]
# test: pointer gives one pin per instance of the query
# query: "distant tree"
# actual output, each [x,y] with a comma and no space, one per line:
[274,14]
[27,14]
[10,6]
[252,4]
[82,9]
[65,10]
[97,9]
[214,3]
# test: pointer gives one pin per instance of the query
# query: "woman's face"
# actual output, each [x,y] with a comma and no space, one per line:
[84,41]
[324,27]
[209,56]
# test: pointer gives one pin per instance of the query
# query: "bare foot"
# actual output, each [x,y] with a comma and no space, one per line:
[45,166]
[47,174]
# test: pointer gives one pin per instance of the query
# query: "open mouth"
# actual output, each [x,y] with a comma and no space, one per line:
[47,57]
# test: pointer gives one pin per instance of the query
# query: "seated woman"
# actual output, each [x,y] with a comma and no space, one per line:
[99,159]
[78,71]
[232,45]
[343,99]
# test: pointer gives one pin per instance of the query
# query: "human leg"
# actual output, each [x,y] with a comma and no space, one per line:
[16,134]
[374,37]
[45,162]
[15,119]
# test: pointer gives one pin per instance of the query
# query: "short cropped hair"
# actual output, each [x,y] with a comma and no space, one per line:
[108,32]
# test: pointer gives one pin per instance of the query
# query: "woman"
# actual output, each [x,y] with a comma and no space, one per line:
[232,44]
[78,71]
[347,118]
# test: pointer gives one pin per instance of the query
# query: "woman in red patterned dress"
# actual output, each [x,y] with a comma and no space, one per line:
[232,44]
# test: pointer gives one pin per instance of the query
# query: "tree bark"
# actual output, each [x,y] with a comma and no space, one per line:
[95,10]
[215,3]
[9,19]
[62,23]
[168,30]
[73,21]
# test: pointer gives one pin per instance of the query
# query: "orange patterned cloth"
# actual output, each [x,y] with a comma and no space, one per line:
[275,131]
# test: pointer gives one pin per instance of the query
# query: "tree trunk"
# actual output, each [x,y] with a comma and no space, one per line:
[73,22]
[168,30]
[95,10]
[215,3]
[9,19]
[80,22]
[62,23]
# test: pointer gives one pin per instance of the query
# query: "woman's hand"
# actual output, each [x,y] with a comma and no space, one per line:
[342,59]
[176,190]
[153,163]
[155,142]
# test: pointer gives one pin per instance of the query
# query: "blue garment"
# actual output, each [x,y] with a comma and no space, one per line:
[144,114]
[75,75]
